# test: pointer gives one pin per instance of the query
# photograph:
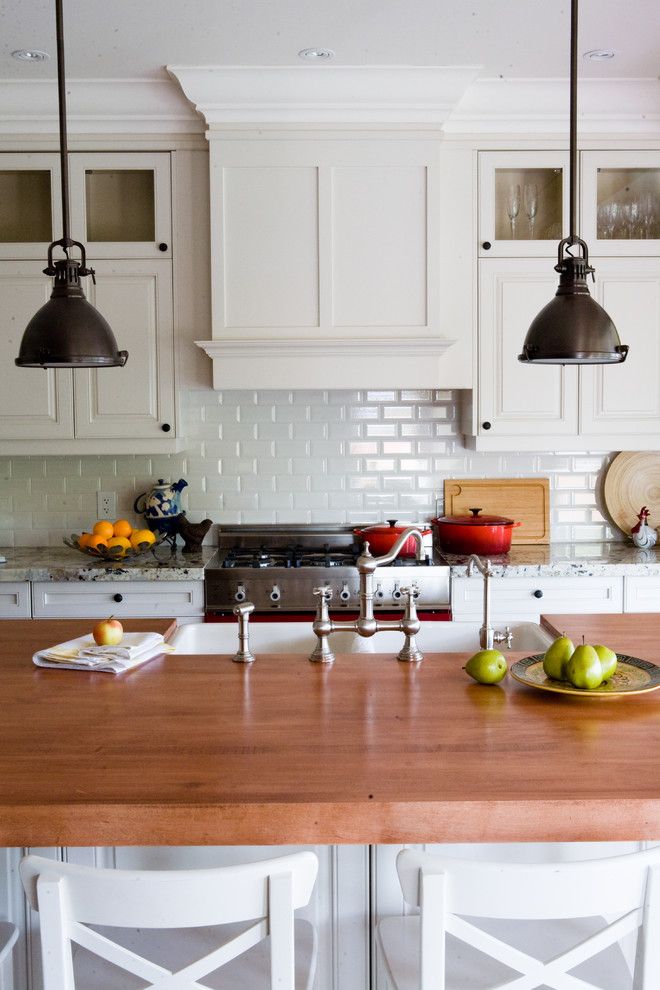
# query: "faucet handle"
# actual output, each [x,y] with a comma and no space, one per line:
[324,592]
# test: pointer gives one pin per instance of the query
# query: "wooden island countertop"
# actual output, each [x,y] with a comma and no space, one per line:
[199,750]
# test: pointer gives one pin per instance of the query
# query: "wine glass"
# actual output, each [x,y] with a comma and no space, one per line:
[513,206]
[531,204]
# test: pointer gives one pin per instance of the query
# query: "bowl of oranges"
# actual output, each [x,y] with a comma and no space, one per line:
[114,541]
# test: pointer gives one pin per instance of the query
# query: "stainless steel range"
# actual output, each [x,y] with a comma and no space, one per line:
[277,568]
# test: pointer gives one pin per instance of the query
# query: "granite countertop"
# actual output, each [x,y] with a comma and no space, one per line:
[598,559]
[64,564]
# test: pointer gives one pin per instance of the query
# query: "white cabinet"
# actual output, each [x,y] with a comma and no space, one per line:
[326,253]
[623,401]
[91,599]
[121,210]
[528,598]
[524,407]
[641,594]
[15,600]
[515,400]
[621,202]
[523,203]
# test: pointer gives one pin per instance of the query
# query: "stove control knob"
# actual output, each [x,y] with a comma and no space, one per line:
[275,593]
[397,593]
[344,594]
[241,593]
[379,594]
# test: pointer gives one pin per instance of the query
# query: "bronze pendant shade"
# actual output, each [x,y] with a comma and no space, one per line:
[573,328]
[67,332]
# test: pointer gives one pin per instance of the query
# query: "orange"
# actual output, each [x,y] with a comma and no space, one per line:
[84,539]
[122,528]
[104,528]
[119,541]
[97,541]
[141,536]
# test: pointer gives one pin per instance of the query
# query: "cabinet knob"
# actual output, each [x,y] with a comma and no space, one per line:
[486,245]
[486,425]
[117,598]
[538,593]
[165,427]
[163,246]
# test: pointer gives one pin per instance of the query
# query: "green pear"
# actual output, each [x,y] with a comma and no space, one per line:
[556,657]
[486,666]
[583,670]
[608,661]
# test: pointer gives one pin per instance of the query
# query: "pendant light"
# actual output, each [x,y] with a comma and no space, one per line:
[573,328]
[68,332]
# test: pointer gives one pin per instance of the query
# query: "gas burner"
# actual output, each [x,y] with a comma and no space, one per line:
[258,557]
[327,556]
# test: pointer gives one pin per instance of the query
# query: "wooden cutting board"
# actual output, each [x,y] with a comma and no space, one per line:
[525,500]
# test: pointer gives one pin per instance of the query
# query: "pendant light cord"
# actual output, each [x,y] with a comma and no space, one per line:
[573,125]
[64,151]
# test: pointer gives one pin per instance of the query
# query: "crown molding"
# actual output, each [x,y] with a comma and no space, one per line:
[324,94]
[535,106]
[97,106]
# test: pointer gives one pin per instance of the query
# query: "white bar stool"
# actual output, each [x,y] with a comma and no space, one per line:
[98,926]
[511,926]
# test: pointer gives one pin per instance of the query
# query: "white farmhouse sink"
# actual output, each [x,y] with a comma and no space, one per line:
[297,637]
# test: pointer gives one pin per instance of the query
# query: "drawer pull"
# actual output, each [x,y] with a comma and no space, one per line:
[117,598]
[538,593]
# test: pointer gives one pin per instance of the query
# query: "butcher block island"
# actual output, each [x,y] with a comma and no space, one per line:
[199,750]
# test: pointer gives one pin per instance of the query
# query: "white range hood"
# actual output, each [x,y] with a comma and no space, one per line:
[326,233]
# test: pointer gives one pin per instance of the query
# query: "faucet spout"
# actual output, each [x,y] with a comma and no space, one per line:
[366,564]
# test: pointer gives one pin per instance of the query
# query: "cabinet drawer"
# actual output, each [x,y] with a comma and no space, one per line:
[64,599]
[527,598]
[641,594]
[14,600]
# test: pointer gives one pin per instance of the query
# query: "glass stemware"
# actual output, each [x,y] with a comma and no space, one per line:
[513,206]
[531,204]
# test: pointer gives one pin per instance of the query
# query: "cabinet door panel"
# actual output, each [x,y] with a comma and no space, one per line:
[621,202]
[121,204]
[30,211]
[379,256]
[35,403]
[625,398]
[270,246]
[136,400]
[519,399]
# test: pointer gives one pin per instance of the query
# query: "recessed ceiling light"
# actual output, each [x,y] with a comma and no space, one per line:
[30,55]
[599,54]
[317,54]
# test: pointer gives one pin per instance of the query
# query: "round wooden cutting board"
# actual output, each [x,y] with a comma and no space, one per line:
[633,480]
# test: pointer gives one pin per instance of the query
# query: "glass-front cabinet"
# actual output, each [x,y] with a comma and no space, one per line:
[121,204]
[621,202]
[523,202]
[30,211]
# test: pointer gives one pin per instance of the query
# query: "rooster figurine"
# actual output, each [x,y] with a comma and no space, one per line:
[643,535]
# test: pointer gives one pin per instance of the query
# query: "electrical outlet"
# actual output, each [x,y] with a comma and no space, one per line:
[106,505]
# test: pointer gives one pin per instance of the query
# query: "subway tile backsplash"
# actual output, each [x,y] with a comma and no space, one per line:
[312,456]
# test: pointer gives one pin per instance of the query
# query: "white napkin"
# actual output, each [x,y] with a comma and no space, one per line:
[83,653]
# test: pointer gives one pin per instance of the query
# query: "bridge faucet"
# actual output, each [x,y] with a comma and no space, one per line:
[487,635]
[366,624]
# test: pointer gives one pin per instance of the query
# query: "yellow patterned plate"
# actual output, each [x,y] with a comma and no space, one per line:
[632,676]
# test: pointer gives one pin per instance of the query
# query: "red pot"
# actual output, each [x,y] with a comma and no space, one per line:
[486,535]
[383,537]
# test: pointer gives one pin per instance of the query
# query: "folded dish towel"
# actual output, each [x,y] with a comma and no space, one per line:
[84,654]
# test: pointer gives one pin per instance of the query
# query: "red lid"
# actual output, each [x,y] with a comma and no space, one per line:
[476,520]
[390,527]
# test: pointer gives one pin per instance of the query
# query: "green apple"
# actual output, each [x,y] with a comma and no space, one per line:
[556,657]
[584,670]
[486,666]
[608,661]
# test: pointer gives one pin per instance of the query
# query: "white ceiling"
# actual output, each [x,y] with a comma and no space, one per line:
[122,39]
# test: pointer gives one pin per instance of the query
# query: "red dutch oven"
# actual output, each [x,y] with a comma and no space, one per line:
[475,533]
[383,537]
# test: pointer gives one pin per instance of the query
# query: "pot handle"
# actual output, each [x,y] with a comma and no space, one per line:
[475,512]
[515,525]
[136,506]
